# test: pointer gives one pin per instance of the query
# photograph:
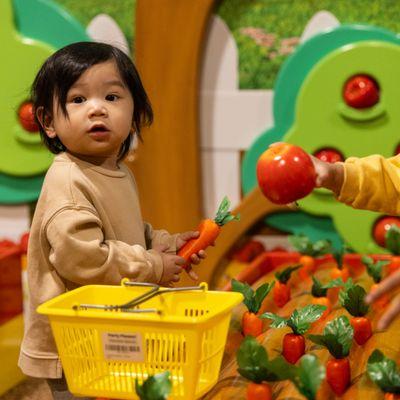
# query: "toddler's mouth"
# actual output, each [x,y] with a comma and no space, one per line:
[98,128]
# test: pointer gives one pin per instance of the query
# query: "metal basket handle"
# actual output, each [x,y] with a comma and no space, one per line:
[155,290]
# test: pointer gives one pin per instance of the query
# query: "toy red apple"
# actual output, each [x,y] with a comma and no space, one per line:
[329,155]
[285,173]
[382,226]
[361,91]
[27,118]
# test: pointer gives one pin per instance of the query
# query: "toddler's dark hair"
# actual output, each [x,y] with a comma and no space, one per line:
[61,70]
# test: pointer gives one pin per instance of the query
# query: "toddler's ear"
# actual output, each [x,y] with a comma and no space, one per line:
[46,121]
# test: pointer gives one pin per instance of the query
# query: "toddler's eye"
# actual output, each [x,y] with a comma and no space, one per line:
[78,100]
[111,97]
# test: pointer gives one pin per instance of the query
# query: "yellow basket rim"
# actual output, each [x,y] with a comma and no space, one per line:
[49,308]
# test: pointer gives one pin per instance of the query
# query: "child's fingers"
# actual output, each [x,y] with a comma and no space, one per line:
[178,260]
[189,235]
[392,312]
[385,286]
[202,254]
[192,274]
[175,278]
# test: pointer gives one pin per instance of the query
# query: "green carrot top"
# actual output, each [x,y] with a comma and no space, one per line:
[351,297]
[374,269]
[337,337]
[320,290]
[156,387]
[254,364]
[223,215]
[304,245]
[284,275]
[300,321]
[384,372]
[252,299]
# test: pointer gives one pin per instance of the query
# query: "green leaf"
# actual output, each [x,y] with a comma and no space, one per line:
[338,282]
[317,289]
[301,320]
[284,275]
[374,269]
[223,215]
[261,294]
[156,387]
[353,301]
[331,342]
[392,239]
[384,372]
[252,360]
[254,364]
[301,243]
[321,247]
[310,375]
[247,292]
[277,321]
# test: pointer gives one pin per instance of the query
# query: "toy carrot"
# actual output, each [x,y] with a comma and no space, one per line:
[337,338]
[384,372]
[281,291]
[319,293]
[352,299]
[392,243]
[251,323]
[155,387]
[254,365]
[340,271]
[308,376]
[293,346]
[375,271]
[209,230]
[309,251]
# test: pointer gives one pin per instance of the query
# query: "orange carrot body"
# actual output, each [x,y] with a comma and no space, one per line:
[340,273]
[209,232]
[382,302]
[362,329]
[392,396]
[281,293]
[394,265]
[323,301]
[251,324]
[293,347]
[308,263]
[258,391]
[338,375]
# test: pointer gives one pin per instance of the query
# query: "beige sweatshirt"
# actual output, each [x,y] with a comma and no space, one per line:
[87,229]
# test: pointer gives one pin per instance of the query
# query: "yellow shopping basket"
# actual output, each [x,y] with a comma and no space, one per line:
[109,336]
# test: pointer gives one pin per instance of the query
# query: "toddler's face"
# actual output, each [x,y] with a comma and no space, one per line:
[100,110]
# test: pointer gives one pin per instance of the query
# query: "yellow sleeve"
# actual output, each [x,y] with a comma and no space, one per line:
[372,183]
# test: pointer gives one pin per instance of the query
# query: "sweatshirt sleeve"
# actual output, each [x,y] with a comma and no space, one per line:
[160,237]
[372,183]
[80,254]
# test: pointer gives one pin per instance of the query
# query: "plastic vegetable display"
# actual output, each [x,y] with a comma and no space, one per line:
[337,338]
[156,387]
[375,271]
[281,293]
[351,297]
[308,376]
[392,241]
[309,251]
[340,271]
[209,230]
[293,346]
[384,372]
[251,323]
[254,365]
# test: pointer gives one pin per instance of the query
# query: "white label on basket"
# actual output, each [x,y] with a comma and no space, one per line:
[123,346]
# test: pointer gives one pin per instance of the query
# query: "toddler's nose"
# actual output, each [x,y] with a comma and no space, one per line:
[97,108]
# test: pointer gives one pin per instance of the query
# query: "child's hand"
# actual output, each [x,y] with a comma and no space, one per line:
[196,258]
[172,268]
[386,286]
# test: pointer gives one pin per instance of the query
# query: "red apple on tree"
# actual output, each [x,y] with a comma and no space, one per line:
[27,118]
[329,155]
[285,173]
[361,91]
[382,226]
